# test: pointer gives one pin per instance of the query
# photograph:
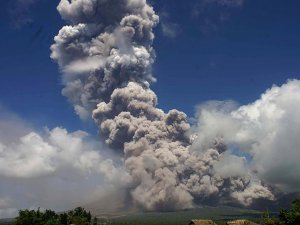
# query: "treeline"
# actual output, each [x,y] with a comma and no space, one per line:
[286,216]
[78,216]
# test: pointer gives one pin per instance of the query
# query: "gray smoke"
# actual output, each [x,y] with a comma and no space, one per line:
[106,55]
[107,46]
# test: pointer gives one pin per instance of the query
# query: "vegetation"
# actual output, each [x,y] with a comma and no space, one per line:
[286,216]
[267,220]
[220,215]
[77,216]
[292,216]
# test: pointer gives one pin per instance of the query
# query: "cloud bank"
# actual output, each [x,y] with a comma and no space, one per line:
[53,169]
[267,129]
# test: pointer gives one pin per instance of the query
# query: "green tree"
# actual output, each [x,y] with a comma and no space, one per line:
[95,221]
[77,220]
[64,219]
[78,216]
[292,216]
[53,222]
[49,215]
[266,220]
[89,217]
[28,217]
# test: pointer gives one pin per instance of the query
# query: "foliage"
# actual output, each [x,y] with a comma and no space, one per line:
[292,216]
[266,220]
[77,216]
[95,221]
[80,216]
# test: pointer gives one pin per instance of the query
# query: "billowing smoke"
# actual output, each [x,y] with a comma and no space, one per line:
[105,55]
[107,46]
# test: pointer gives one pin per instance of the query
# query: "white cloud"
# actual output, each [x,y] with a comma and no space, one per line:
[12,126]
[229,3]
[34,156]
[53,169]
[20,13]
[268,129]
[169,29]
[84,65]
[212,14]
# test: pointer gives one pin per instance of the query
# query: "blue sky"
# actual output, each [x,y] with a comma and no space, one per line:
[214,52]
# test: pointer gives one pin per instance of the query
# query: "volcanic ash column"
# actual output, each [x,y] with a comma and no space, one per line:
[106,55]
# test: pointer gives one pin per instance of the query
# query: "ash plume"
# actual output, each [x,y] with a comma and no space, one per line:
[106,54]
